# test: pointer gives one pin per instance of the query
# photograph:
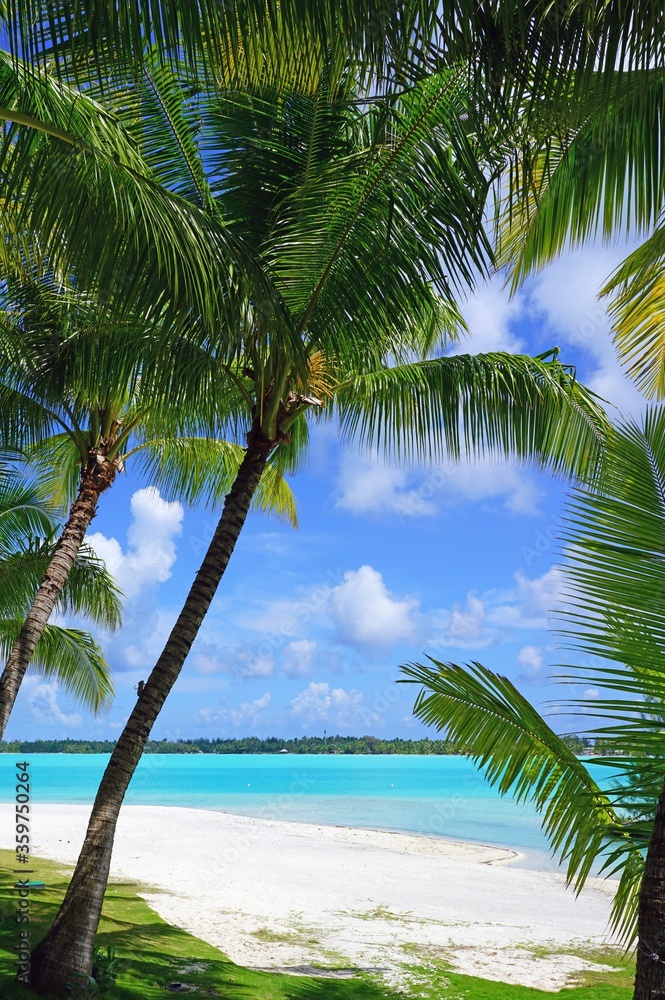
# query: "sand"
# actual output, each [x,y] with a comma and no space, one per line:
[294,897]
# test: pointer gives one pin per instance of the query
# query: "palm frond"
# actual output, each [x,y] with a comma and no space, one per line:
[614,536]
[24,511]
[478,404]
[637,306]
[233,41]
[507,738]
[71,657]
[89,591]
[202,470]
[599,169]
[112,223]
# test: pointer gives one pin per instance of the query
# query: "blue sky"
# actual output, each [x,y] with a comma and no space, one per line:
[309,628]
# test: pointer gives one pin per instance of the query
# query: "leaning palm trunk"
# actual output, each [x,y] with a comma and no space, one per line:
[95,479]
[65,954]
[650,973]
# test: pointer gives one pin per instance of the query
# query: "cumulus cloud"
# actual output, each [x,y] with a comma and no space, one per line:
[366,615]
[45,708]
[530,659]
[139,567]
[247,713]
[541,595]
[495,616]
[489,314]
[368,486]
[463,625]
[297,657]
[150,551]
[480,481]
[566,293]
[319,702]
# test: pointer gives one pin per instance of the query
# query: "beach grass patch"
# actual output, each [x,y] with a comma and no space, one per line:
[295,937]
[157,954]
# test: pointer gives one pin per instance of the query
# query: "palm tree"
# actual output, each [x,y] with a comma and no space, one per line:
[78,395]
[68,655]
[365,216]
[615,584]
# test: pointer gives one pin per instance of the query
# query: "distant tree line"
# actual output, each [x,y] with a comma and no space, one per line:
[252,744]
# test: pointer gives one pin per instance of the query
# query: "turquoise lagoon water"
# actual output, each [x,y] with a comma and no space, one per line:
[434,796]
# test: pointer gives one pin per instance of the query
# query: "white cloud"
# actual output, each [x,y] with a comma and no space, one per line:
[494,480]
[567,294]
[145,561]
[319,701]
[365,614]
[45,708]
[489,314]
[542,594]
[530,658]
[368,486]
[297,657]
[592,693]
[259,666]
[144,637]
[243,661]
[463,626]
[151,550]
[494,617]
[247,713]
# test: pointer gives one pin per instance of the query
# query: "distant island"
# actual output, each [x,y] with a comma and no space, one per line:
[272,745]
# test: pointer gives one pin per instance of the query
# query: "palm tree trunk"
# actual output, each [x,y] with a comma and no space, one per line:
[65,954]
[95,479]
[650,973]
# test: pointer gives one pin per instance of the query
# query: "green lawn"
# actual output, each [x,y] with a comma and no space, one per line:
[158,954]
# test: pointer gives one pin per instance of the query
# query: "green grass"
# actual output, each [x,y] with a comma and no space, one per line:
[157,954]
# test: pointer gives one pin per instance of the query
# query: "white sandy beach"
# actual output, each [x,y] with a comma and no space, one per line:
[290,896]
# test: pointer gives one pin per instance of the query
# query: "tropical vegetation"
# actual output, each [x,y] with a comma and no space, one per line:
[290,197]
[155,954]
[78,398]
[249,744]
[366,218]
[68,655]
[614,618]
[600,176]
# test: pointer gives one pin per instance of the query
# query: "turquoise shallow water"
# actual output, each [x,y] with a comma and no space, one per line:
[440,796]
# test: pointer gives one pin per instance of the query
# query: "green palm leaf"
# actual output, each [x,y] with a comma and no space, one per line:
[24,511]
[478,404]
[598,170]
[637,305]
[612,615]
[233,38]
[89,591]
[202,470]
[508,739]
[71,657]
[613,535]
[112,223]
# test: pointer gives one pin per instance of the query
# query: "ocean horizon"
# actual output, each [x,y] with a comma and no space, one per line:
[440,796]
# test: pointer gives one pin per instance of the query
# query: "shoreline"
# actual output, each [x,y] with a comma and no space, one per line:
[287,896]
